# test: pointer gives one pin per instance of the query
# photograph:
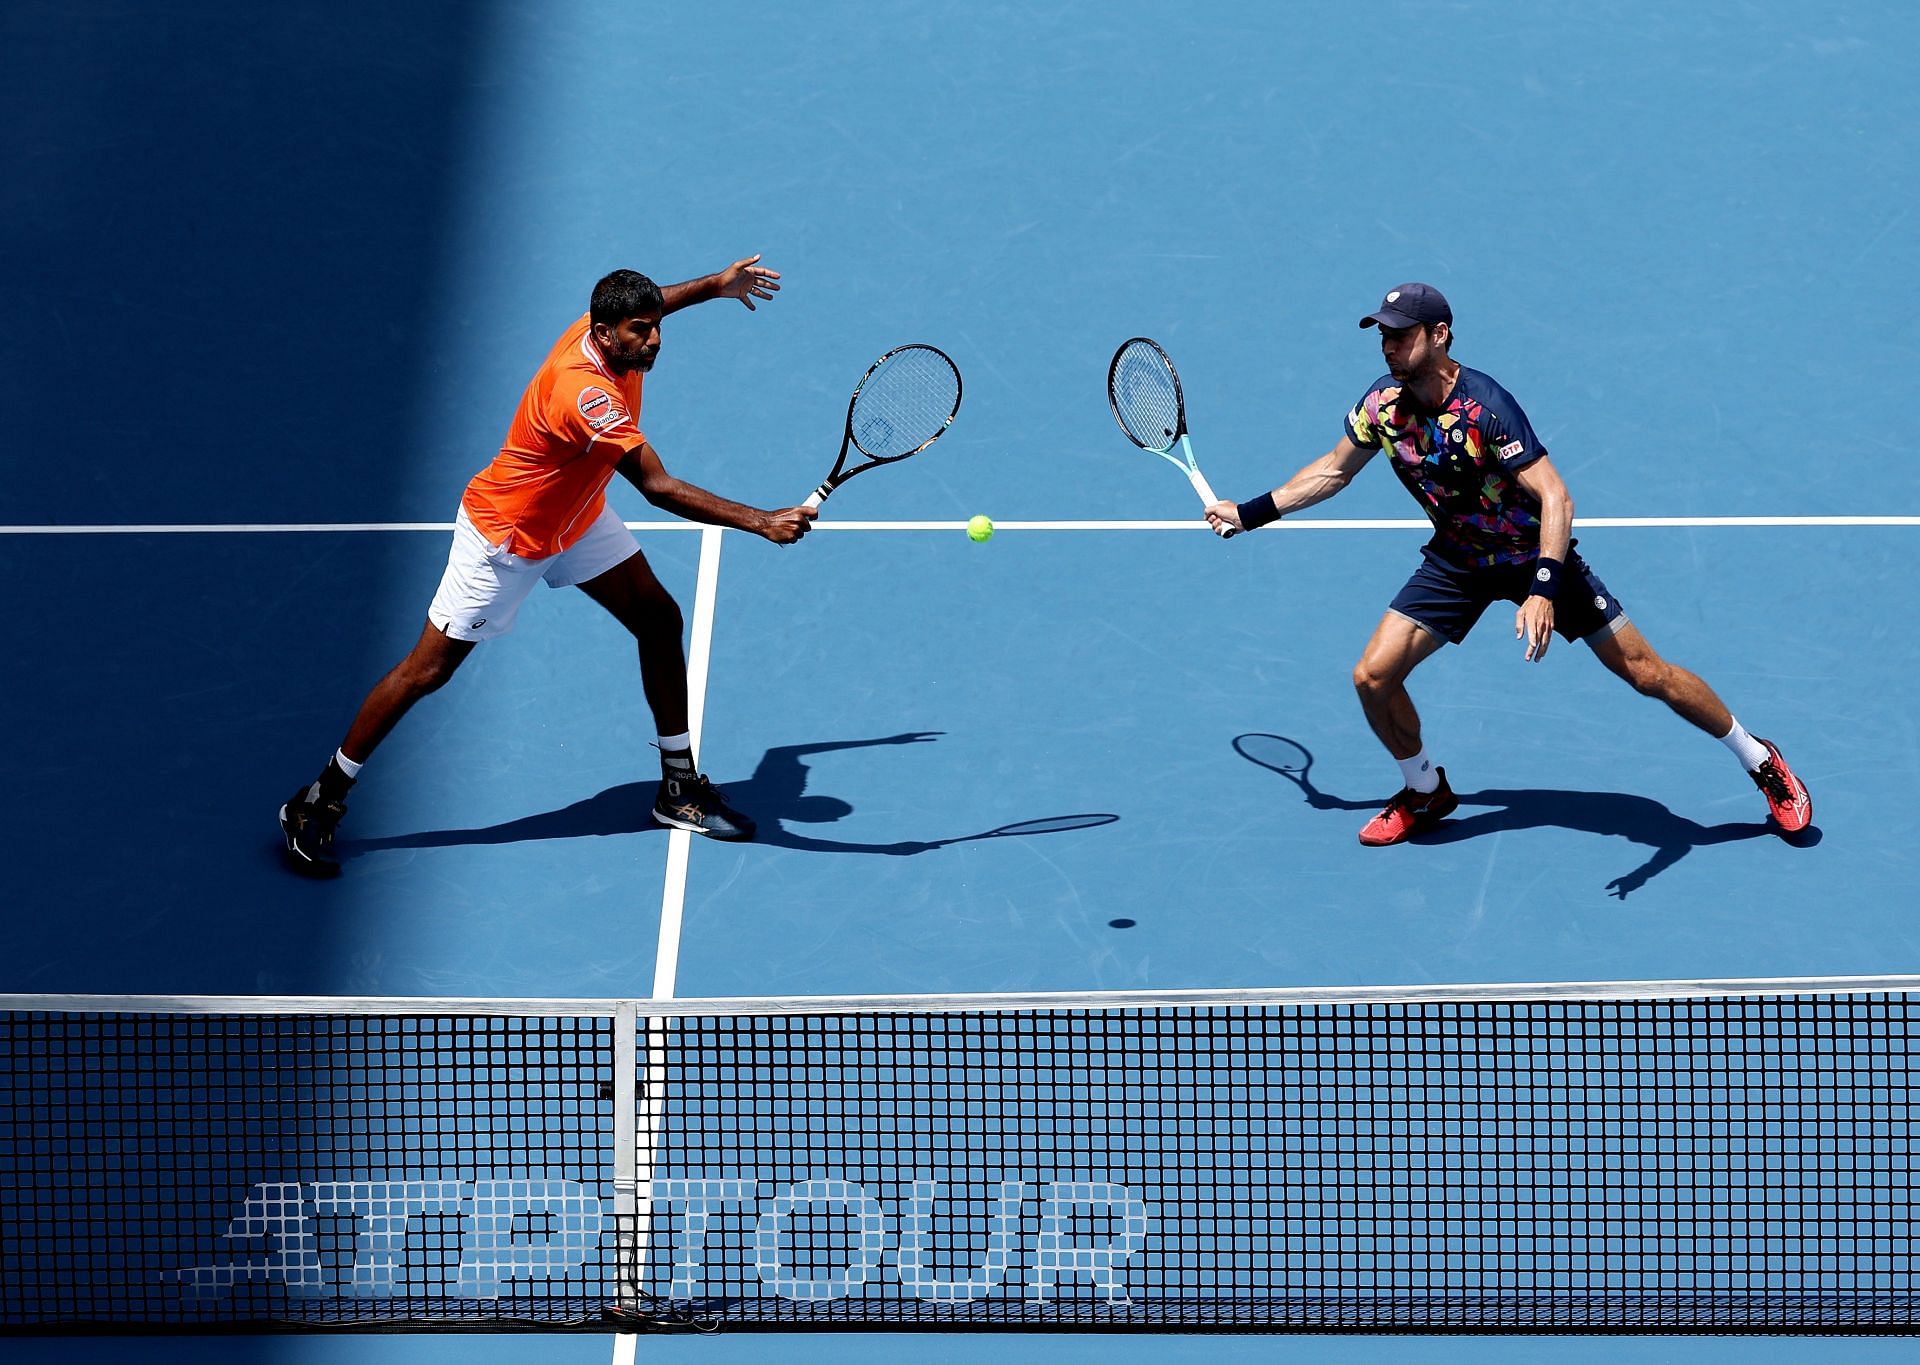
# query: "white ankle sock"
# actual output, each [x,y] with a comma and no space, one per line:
[676,752]
[1419,773]
[1750,751]
[345,764]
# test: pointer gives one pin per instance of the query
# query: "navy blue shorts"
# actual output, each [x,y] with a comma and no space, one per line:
[1447,598]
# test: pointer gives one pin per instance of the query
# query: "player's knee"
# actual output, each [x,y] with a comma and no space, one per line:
[424,672]
[429,676]
[1648,676]
[658,619]
[1370,680]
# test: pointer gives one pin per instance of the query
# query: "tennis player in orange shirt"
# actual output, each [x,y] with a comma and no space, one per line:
[538,513]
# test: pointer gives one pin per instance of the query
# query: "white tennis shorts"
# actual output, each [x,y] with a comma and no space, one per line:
[484,585]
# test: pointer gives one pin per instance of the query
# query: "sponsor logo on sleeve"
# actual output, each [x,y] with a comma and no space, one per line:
[1511,449]
[600,409]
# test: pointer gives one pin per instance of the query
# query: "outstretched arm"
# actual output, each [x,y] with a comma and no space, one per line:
[744,280]
[641,467]
[1316,482]
[1534,621]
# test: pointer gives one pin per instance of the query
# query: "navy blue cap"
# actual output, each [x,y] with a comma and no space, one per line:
[1410,305]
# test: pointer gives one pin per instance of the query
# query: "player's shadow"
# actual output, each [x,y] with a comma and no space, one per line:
[776,796]
[1638,819]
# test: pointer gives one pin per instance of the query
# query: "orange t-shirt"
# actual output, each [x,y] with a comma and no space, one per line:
[549,481]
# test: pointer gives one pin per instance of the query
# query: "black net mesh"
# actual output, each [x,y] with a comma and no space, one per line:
[1729,1163]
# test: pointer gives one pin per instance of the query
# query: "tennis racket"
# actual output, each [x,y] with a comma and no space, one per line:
[903,404]
[1143,389]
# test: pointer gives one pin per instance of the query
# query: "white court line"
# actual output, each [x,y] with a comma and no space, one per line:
[1334,524]
[673,900]
[261,528]
[1192,524]
[666,961]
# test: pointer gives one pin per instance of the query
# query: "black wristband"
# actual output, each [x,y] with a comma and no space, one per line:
[1546,578]
[1257,512]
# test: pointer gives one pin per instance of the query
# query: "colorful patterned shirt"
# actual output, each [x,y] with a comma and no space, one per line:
[1460,465]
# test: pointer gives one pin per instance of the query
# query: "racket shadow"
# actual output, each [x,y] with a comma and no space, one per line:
[1620,815]
[777,796]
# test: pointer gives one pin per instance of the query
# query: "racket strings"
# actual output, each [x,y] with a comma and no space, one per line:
[904,403]
[1146,397]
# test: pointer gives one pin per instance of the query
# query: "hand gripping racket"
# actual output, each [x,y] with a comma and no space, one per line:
[903,404]
[1143,389]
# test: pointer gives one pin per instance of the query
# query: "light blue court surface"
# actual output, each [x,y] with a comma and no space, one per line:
[292,268]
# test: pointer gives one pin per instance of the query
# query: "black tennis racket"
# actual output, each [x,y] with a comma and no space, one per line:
[1143,389]
[903,404]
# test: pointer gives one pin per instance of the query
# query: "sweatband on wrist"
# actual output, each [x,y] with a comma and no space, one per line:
[1257,512]
[1546,577]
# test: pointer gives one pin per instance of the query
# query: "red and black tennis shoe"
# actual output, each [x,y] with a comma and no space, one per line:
[1787,796]
[1410,813]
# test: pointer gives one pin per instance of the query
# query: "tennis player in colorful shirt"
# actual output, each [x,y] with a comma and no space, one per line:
[1502,531]
[538,514]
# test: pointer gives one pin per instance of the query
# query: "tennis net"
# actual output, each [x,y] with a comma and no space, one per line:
[1651,1156]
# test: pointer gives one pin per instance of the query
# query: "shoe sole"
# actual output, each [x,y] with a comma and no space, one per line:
[1422,822]
[1786,828]
[670,822]
[1773,753]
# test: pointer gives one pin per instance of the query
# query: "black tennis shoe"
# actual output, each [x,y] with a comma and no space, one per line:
[307,823]
[691,802]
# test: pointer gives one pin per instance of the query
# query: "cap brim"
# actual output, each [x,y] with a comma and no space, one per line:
[1386,317]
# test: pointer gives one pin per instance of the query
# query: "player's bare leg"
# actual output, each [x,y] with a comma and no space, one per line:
[1398,646]
[428,665]
[633,596]
[311,816]
[1627,654]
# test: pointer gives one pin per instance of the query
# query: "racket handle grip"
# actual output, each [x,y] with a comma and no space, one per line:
[1207,496]
[815,498]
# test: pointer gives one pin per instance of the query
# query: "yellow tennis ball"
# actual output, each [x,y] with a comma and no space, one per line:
[980,528]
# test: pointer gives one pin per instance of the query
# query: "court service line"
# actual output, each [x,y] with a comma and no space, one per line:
[666,962]
[1345,524]
[673,899]
[1187,524]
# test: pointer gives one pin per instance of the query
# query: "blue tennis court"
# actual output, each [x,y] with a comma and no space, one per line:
[278,278]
